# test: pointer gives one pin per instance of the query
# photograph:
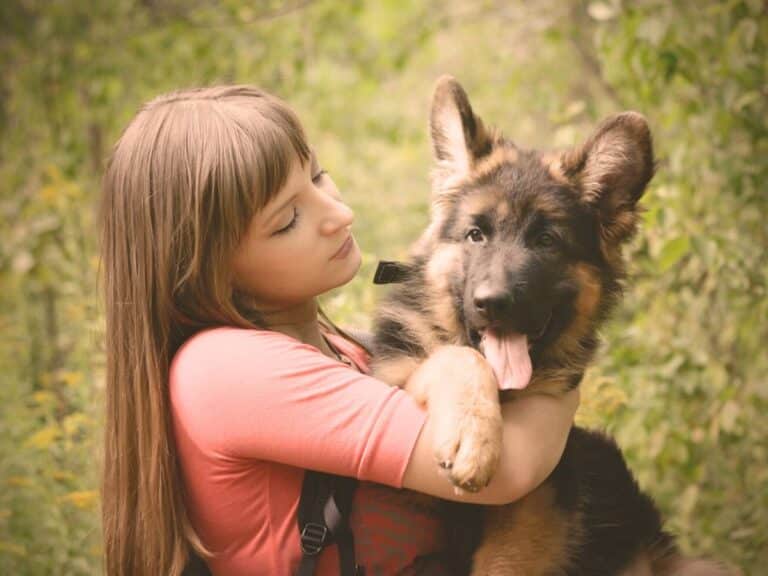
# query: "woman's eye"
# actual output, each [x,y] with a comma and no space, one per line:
[545,239]
[290,224]
[475,235]
[319,176]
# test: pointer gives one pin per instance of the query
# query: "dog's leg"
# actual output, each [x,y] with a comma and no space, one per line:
[459,390]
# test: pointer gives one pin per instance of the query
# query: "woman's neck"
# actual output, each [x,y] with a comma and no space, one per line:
[300,322]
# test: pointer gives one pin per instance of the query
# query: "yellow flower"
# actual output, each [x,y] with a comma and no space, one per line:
[18,481]
[62,475]
[44,437]
[82,498]
[71,378]
[43,397]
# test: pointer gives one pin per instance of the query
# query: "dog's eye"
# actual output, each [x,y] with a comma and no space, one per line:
[475,235]
[545,239]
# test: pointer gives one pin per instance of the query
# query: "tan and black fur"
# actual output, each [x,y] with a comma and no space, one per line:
[529,242]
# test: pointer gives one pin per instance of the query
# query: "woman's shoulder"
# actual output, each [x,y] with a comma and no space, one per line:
[218,336]
[224,366]
[229,340]
[226,351]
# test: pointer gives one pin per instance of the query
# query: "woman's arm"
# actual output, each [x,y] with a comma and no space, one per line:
[535,429]
[256,394]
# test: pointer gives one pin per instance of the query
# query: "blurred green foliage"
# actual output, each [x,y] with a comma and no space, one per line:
[682,379]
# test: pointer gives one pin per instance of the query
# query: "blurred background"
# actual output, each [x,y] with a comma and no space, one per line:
[682,378]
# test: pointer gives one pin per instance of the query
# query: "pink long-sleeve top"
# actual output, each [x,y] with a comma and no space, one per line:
[252,410]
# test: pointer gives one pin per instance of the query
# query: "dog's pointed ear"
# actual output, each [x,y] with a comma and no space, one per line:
[611,171]
[459,138]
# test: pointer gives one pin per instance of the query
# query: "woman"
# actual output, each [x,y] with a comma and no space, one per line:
[220,230]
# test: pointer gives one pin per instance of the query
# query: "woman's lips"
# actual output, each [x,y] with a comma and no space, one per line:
[344,249]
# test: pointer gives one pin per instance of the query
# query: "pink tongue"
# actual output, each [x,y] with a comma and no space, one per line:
[509,359]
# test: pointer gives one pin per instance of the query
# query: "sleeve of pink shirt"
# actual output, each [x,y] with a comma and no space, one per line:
[264,395]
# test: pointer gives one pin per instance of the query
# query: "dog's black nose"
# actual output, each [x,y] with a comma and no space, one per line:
[491,303]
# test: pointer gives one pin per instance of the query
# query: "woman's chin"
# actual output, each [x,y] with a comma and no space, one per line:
[349,266]
[355,261]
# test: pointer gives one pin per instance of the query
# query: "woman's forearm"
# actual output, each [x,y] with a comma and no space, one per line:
[534,434]
[534,430]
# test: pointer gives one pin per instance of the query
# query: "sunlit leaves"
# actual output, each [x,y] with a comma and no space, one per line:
[700,300]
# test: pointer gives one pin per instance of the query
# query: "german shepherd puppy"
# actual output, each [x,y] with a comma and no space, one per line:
[522,260]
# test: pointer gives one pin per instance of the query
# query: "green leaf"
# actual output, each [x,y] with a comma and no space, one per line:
[672,251]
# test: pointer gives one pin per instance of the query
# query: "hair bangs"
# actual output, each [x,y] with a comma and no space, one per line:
[271,140]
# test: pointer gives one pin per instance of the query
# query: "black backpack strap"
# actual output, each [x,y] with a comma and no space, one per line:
[323,516]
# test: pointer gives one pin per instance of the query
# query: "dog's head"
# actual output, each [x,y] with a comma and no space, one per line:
[533,240]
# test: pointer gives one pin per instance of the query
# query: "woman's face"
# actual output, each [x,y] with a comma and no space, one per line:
[300,245]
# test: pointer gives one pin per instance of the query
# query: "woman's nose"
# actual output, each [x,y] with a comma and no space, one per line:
[341,216]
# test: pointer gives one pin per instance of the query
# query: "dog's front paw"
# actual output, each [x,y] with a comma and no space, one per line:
[468,446]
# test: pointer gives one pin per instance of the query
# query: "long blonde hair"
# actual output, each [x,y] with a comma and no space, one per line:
[182,183]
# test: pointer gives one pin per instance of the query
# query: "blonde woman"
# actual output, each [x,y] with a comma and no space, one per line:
[224,384]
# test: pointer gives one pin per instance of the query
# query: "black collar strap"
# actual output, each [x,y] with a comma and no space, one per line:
[389,272]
